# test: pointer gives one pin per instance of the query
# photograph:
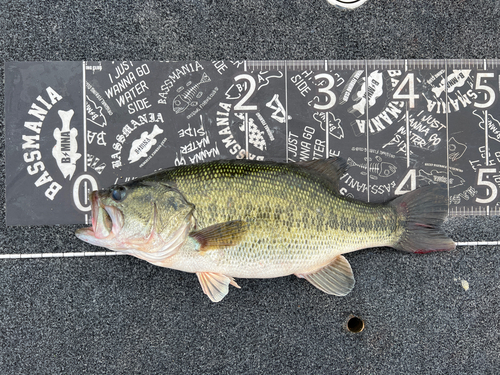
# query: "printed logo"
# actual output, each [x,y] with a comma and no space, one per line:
[440,176]
[378,168]
[141,146]
[279,111]
[334,127]
[94,113]
[65,150]
[375,91]
[189,95]
[455,149]
[493,126]
[455,80]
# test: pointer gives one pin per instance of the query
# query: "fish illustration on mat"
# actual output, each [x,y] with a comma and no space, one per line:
[140,147]
[188,95]
[334,127]
[378,168]
[455,149]
[65,151]
[247,219]
[440,176]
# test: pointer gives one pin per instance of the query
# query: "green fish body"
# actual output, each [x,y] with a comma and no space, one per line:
[267,219]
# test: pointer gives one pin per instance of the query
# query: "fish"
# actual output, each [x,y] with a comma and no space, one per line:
[379,168]
[230,219]
[188,95]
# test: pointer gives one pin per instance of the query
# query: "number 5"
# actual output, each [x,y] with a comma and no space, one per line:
[491,185]
[488,89]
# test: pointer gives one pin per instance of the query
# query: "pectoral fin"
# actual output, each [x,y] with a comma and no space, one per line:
[221,235]
[336,278]
[215,285]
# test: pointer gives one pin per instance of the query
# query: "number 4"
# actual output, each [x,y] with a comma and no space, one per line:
[411,96]
[410,176]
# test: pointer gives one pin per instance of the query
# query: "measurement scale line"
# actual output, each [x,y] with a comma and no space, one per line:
[367,119]
[447,137]
[286,109]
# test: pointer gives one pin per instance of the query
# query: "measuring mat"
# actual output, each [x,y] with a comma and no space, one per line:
[74,127]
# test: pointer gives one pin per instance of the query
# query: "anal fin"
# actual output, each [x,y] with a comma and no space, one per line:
[336,278]
[215,285]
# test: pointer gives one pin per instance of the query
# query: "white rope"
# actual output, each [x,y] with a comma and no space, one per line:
[479,243]
[112,253]
[60,255]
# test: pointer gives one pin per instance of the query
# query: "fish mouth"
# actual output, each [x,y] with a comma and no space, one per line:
[107,221]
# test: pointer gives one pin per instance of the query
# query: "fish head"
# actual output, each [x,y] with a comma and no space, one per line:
[145,219]
[387,169]
[180,104]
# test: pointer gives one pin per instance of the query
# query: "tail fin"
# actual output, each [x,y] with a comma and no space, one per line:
[205,78]
[422,211]
[351,163]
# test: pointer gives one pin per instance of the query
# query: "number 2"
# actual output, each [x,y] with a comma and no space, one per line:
[241,106]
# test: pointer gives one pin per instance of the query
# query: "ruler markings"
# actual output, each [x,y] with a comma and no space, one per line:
[381,64]
[286,109]
[367,133]
[84,91]
[447,139]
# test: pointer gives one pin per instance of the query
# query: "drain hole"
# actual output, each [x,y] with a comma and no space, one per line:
[355,324]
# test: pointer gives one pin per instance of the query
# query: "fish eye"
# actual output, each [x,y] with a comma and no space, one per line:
[177,102]
[118,193]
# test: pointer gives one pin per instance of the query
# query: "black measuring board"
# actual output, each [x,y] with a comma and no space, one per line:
[72,127]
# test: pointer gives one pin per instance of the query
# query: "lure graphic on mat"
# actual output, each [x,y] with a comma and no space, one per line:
[189,94]
[241,219]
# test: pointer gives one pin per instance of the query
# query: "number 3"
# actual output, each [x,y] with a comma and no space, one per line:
[326,90]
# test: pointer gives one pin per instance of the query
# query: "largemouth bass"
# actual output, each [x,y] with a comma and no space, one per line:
[241,219]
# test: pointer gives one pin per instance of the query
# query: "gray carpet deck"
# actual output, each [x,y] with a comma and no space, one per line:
[120,315]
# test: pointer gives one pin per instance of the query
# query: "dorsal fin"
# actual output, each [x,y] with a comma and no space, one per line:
[330,169]
[220,235]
